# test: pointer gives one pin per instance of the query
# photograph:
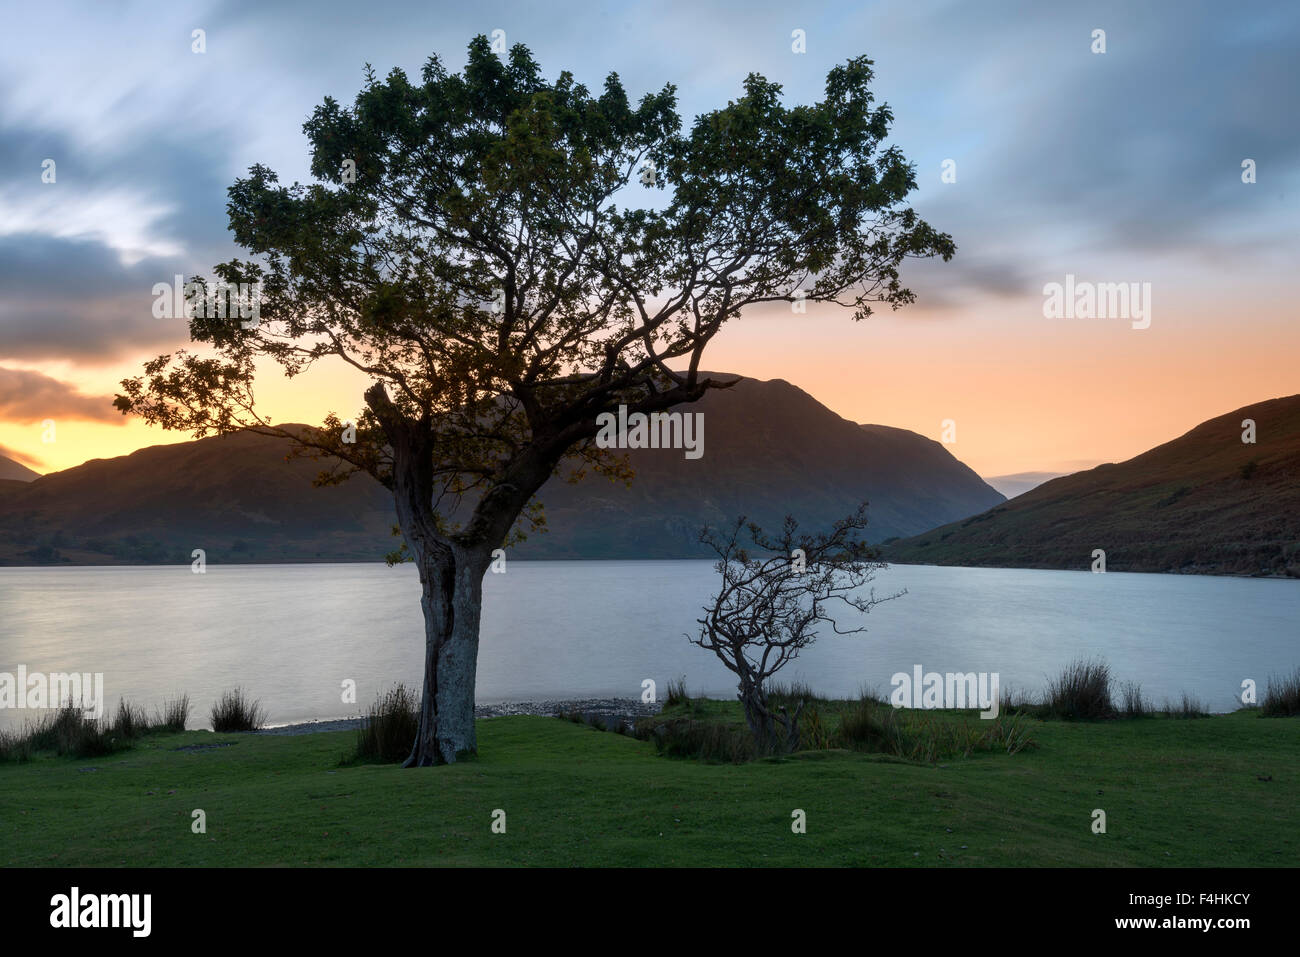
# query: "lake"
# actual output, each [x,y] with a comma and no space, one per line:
[291,634]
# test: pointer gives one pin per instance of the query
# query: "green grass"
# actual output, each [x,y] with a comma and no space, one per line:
[1178,793]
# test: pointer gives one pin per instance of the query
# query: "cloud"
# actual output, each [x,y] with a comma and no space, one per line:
[27,396]
[1066,160]
[80,256]
[123,220]
[22,458]
[73,300]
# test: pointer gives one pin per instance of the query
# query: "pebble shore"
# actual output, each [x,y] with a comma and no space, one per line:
[630,708]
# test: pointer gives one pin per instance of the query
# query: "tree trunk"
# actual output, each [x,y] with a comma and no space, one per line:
[763,723]
[451,576]
[757,716]
[452,597]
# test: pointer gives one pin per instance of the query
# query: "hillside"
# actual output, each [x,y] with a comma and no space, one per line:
[1195,504]
[11,471]
[770,448]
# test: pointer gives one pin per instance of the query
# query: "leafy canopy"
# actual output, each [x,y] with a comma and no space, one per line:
[479,245]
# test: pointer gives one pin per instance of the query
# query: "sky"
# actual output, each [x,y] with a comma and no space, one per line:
[1122,166]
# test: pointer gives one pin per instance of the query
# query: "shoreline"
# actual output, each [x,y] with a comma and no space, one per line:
[603,707]
[72,565]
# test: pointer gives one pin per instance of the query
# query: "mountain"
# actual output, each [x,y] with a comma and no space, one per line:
[11,471]
[769,449]
[1206,502]
[1018,483]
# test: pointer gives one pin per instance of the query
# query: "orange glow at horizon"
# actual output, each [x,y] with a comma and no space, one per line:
[1025,393]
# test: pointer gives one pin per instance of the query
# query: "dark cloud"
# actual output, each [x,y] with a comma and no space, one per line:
[73,297]
[75,300]
[27,396]
[967,277]
[1063,156]
[1132,153]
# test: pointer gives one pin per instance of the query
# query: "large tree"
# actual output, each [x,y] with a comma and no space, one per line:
[506,259]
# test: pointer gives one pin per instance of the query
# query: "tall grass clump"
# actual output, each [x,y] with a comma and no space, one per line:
[130,721]
[1013,701]
[710,741]
[1188,706]
[677,694]
[390,727]
[43,735]
[91,738]
[813,734]
[1081,692]
[236,711]
[790,696]
[869,725]
[15,746]
[69,732]
[872,726]
[1132,703]
[1009,733]
[174,715]
[1282,696]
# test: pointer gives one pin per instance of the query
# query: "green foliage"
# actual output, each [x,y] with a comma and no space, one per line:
[867,725]
[710,741]
[469,243]
[874,726]
[813,735]
[789,695]
[1011,733]
[716,731]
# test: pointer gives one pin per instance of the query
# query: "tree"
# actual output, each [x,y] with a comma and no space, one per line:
[474,245]
[769,608]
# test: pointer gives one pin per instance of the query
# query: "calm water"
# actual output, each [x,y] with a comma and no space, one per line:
[290,634]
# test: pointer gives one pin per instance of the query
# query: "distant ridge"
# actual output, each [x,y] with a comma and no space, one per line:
[1018,483]
[1205,502]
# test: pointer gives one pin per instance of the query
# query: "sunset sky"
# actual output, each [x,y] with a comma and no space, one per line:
[1123,166]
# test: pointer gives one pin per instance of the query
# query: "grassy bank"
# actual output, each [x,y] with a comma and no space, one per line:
[1182,793]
